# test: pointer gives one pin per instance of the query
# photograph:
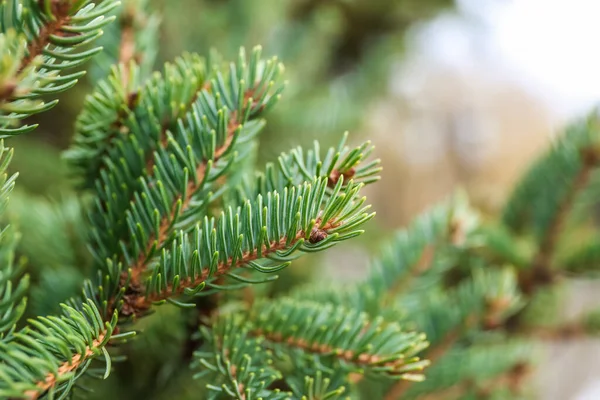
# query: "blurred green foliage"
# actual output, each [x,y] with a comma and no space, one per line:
[337,54]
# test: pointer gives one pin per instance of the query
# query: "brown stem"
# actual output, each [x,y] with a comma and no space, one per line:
[127,45]
[60,11]
[127,49]
[140,265]
[240,387]
[7,90]
[335,176]
[541,272]
[361,359]
[136,303]
[68,366]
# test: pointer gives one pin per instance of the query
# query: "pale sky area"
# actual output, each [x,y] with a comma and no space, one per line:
[549,46]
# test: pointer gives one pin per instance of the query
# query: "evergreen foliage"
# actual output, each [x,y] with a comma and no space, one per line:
[40,41]
[173,220]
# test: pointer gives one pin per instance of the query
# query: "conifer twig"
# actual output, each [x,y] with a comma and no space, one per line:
[139,267]
[137,303]
[66,368]
[127,49]
[60,12]
[361,359]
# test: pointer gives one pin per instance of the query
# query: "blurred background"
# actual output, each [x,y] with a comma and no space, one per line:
[454,94]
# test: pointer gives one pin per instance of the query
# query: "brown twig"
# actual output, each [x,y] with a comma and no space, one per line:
[335,176]
[7,90]
[193,185]
[137,303]
[127,49]
[60,11]
[363,359]
[73,364]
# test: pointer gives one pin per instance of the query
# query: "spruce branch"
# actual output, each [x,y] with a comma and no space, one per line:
[262,235]
[182,204]
[49,354]
[177,155]
[338,338]
[39,40]
[337,341]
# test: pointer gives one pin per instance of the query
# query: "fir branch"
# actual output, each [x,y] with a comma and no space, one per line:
[68,367]
[57,18]
[293,168]
[182,205]
[116,111]
[338,338]
[263,235]
[187,149]
[333,340]
[38,42]
[127,50]
[51,353]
